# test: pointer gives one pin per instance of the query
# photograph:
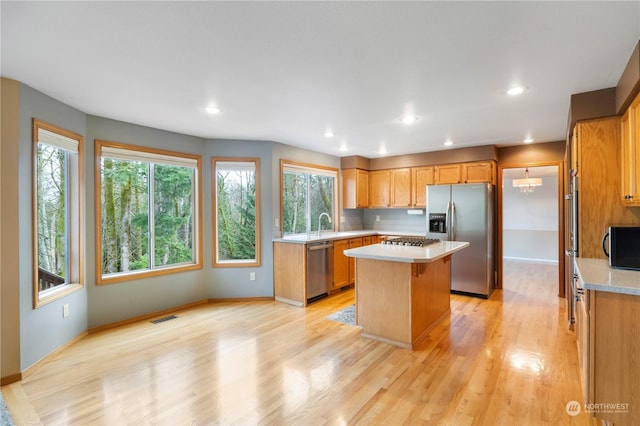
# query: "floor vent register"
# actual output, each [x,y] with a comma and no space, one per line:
[159,320]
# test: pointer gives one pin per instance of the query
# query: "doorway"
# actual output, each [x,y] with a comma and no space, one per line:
[530,220]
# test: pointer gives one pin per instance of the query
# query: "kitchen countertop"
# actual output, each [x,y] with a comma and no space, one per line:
[407,254]
[596,274]
[330,236]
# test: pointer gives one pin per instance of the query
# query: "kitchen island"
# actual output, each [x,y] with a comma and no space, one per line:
[402,292]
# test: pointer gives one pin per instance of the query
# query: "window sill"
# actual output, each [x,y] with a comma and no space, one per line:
[55,294]
[136,275]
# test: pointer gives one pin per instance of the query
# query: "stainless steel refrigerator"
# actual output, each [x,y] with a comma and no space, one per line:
[465,212]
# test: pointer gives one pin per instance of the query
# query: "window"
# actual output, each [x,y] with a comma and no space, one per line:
[307,192]
[237,211]
[147,211]
[57,243]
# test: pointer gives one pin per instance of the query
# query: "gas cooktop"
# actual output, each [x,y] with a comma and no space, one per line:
[411,241]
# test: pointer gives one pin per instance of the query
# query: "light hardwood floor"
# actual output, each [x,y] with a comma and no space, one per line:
[507,360]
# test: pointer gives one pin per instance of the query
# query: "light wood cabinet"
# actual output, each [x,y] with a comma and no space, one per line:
[420,178]
[380,188]
[630,136]
[401,187]
[597,161]
[448,174]
[355,189]
[582,341]
[484,171]
[344,267]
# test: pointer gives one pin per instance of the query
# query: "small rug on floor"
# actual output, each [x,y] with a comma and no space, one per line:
[5,416]
[346,315]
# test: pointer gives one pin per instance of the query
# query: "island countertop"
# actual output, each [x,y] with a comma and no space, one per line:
[407,254]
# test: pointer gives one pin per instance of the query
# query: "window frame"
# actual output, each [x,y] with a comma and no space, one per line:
[74,227]
[197,211]
[311,168]
[214,213]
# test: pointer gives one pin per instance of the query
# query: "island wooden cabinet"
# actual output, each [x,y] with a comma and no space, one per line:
[420,178]
[630,135]
[355,189]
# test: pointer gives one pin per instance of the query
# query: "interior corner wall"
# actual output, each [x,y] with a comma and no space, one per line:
[9,222]
[44,329]
[533,153]
[223,283]
[111,303]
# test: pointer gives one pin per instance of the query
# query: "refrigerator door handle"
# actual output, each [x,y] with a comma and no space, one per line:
[453,221]
[448,221]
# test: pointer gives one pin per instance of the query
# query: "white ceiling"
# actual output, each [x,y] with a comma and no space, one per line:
[288,71]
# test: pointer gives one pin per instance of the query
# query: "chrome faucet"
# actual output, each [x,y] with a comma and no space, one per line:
[319,218]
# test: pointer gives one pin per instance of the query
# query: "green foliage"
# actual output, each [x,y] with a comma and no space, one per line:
[236,219]
[305,197]
[126,218]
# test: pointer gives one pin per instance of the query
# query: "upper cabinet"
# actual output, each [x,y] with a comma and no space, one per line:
[355,189]
[630,135]
[401,187]
[477,172]
[380,188]
[484,171]
[420,178]
[448,174]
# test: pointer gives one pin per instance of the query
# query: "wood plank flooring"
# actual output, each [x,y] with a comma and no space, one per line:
[507,360]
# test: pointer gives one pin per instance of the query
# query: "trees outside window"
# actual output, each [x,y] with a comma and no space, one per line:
[148,211]
[237,211]
[56,212]
[307,192]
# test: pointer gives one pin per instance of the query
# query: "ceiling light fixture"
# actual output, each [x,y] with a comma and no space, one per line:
[329,134]
[515,90]
[528,140]
[213,110]
[527,184]
[448,142]
[409,119]
[343,147]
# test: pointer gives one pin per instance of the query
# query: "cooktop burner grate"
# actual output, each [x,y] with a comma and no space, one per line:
[411,241]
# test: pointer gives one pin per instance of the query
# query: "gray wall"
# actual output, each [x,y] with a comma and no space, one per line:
[234,282]
[127,299]
[396,220]
[44,329]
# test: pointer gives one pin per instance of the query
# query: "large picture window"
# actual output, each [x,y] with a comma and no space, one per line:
[308,192]
[56,212]
[237,211]
[148,211]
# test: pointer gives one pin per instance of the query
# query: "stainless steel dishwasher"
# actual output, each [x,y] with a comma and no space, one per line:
[319,270]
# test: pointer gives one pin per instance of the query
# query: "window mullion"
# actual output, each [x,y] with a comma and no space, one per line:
[151,225]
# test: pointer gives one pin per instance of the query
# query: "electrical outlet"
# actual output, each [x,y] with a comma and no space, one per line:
[276,223]
[252,276]
[342,219]
[377,218]
[65,310]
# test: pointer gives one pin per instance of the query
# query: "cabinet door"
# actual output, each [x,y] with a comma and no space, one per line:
[353,243]
[375,239]
[340,264]
[421,177]
[355,189]
[401,187]
[366,240]
[362,188]
[449,173]
[380,188]
[582,340]
[478,172]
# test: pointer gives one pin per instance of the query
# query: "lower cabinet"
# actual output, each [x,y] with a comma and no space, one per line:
[608,338]
[344,269]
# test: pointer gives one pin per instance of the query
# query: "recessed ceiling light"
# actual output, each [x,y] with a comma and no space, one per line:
[329,134]
[515,90]
[343,147]
[409,119]
[528,140]
[213,110]
[448,142]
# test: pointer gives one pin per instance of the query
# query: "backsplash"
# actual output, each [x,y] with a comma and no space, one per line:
[388,220]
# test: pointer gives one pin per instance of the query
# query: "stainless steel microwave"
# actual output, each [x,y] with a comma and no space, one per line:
[622,245]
